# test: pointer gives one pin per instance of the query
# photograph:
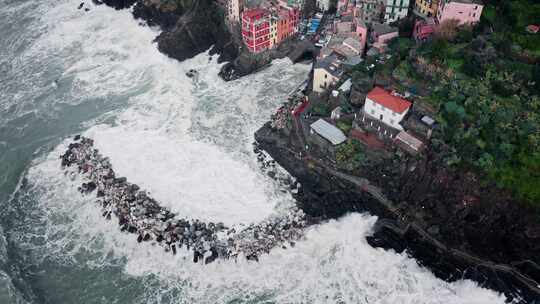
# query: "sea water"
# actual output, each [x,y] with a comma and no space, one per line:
[64,71]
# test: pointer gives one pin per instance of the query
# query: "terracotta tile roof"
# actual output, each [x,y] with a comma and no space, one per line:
[255,12]
[387,100]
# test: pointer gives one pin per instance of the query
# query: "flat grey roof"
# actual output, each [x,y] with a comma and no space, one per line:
[428,120]
[381,28]
[330,64]
[328,131]
[346,86]
[354,60]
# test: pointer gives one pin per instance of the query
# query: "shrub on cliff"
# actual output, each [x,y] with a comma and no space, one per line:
[350,155]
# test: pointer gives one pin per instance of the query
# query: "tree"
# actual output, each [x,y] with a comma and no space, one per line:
[447,30]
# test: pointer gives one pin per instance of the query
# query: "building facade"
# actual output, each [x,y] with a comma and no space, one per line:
[326,73]
[395,10]
[386,107]
[234,10]
[424,29]
[426,8]
[465,11]
[274,20]
[381,35]
[256,29]
[323,5]
[361,30]
[370,10]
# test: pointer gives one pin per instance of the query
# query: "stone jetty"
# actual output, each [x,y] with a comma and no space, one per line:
[140,214]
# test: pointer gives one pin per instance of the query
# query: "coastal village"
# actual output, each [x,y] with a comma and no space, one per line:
[423,113]
[328,112]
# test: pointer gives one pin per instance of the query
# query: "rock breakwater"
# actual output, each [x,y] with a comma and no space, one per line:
[140,214]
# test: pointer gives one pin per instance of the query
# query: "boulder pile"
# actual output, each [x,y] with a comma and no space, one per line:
[142,215]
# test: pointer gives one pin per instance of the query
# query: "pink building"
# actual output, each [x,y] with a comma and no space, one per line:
[424,29]
[381,34]
[256,29]
[362,31]
[466,11]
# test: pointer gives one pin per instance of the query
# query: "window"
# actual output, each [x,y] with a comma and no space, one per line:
[391,121]
[373,112]
[393,113]
[325,76]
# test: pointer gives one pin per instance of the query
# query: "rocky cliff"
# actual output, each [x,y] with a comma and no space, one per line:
[486,239]
[189,27]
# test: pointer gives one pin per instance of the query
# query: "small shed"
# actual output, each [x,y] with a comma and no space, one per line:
[328,131]
[409,143]
[336,113]
[346,86]
[428,120]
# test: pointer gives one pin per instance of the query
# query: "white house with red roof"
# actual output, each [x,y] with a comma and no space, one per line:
[388,108]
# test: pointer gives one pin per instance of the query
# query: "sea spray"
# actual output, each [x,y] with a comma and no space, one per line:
[138,213]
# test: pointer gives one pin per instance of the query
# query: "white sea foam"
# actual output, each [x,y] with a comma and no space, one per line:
[190,146]
[333,264]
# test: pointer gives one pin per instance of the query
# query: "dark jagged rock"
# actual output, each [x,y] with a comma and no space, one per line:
[138,213]
[247,63]
[117,4]
[164,17]
[195,32]
[189,27]
[484,245]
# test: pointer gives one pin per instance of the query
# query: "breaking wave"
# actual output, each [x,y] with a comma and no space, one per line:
[189,144]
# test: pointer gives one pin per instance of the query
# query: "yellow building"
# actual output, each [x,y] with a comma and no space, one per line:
[427,7]
[273,31]
[326,73]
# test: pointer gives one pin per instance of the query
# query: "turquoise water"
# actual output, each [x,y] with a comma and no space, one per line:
[64,72]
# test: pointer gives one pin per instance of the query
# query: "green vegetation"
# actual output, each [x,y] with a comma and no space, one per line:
[344,124]
[485,84]
[321,109]
[493,124]
[350,155]
[510,17]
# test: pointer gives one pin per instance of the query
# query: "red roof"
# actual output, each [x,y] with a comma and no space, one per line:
[387,100]
[533,28]
[255,13]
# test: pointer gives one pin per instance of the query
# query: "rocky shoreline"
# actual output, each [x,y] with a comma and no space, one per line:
[200,26]
[328,194]
[188,28]
[139,214]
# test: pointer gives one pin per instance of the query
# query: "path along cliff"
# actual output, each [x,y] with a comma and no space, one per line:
[444,241]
